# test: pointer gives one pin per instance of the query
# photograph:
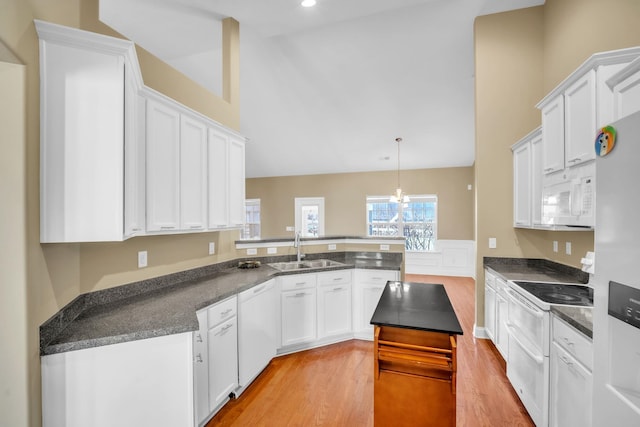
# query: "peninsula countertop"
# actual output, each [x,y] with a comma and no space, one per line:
[422,306]
[166,305]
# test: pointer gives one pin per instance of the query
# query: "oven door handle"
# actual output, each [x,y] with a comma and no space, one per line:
[517,299]
[538,359]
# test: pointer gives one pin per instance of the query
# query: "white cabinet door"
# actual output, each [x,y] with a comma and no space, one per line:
[193,174]
[553,135]
[134,160]
[298,316]
[522,175]
[218,179]
[334,310]
[368,288]
[236,194]
[536,179]
[490,311]
[201,368]
[626,93]
[501,333]
[580,120]
[163,167]
[223,361]
[571,389]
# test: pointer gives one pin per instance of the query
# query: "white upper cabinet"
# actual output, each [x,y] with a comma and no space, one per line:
[580,120]
[226,180]
[574,111]
[527,180]
[87,127]
[193,174]
[119,159]
[163,167]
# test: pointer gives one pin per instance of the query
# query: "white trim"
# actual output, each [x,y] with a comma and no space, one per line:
[299,203]
[451,258]
[480,332]
[596,60]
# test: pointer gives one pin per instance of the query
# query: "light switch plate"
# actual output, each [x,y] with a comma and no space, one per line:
[272,251]
[252,251]
[492,243]
[384,247]
[331,247]
[212,248]
[555,246]
[567,248]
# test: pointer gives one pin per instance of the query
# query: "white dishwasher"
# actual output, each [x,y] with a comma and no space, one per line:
[257,322]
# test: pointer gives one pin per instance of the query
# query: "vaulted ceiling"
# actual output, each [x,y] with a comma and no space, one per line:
[328,89]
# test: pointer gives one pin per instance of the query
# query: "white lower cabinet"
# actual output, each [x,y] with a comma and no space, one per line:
[334,304]
[501,334]
[369,285]
[298,309]
[215,358]
[571,380]
[490,304]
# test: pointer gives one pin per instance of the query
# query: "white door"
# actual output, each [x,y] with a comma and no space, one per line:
[193,174]
[334,310]
[236,183]
[298,316]
[223,361]
[309,216]
[218,180]
[522,186]
[163,167]
[580,120]
[571,388]
[553,135]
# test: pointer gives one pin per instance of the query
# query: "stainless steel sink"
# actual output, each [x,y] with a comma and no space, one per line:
[301,265]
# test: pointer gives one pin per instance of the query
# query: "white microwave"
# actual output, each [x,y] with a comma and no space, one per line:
[568,197]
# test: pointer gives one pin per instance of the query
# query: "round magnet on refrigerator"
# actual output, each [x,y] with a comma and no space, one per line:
[605,140]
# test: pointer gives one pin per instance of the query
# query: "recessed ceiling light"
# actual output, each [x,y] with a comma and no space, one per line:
[308,3]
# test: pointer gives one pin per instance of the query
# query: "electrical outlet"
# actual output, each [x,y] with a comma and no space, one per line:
[252,251]
[289,228]
[555,246]
[492,243]
[212,248]
[272,251]
[567,248]
[469,187]
[142,259]
[331,247]
[384,247]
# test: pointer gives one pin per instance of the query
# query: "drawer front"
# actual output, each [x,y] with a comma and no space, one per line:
[222,311]
[377,277]
[298,281]
[574,342]
[338,277]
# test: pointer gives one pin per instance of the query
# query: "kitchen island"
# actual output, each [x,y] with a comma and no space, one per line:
[415,356]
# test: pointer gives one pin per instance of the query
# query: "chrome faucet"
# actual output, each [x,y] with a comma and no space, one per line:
[297,244]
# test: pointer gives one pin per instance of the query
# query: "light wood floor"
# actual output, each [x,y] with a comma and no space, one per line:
[333,385]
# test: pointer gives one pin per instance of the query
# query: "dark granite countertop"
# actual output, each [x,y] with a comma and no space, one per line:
[580,318]
[423,306]
[540,270]
[167,305]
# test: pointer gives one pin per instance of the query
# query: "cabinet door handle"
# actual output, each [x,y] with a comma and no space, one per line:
[338,289]
[198,337]
[224,329]
[199,358]
[195,227]
[226,312]
[548,170]
[167,227]
[299,294]
[574,160]
[255,291]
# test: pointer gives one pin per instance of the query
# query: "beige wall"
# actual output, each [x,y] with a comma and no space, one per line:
[57,273]
[521,56]
[345,199]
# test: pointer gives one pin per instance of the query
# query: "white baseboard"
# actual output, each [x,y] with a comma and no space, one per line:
[480,332]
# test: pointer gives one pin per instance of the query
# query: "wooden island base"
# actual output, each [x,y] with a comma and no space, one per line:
[414,378]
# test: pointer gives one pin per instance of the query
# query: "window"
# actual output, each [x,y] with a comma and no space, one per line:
[417,219]
[251,229]
[309,216]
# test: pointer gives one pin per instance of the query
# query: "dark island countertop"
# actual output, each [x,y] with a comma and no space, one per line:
[422,306]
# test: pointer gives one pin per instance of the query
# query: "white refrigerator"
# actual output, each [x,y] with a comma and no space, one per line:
[616,373]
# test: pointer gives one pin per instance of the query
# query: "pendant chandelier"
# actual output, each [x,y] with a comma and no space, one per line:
[399,196]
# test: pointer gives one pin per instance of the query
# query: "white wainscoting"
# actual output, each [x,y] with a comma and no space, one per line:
[451,258]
